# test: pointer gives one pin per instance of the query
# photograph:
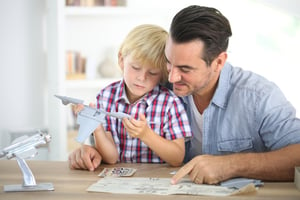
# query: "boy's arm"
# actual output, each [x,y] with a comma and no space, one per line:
[171,151]
[105,144]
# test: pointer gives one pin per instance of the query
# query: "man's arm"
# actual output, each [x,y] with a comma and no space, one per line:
[276,165]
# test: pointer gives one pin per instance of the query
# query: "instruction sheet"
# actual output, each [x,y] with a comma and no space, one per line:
[162,186]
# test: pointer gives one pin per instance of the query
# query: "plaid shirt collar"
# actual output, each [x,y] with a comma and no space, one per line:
[147,98]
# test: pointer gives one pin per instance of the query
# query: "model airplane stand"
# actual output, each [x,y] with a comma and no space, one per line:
[23,148]
[29,183]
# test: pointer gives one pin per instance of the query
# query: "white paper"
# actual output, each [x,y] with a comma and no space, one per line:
[162,186]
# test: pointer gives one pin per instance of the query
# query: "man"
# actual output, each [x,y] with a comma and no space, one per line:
[243,126]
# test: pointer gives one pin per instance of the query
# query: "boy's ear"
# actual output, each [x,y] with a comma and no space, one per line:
[121,60]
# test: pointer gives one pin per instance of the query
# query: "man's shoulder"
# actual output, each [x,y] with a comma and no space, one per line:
[249,87]
[239,86]
[249,80]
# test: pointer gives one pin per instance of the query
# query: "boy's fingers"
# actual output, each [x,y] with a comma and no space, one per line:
[92,105]
[142,117]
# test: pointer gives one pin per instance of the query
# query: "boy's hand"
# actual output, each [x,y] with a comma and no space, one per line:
[136,128]
[77,108]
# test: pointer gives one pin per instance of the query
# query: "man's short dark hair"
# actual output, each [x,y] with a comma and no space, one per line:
[205,24]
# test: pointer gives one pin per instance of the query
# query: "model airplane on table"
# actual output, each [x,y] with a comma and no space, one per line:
[22,148]
[89,118]
[25,146]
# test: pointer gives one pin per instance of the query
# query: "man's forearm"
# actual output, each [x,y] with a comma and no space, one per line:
[276,165]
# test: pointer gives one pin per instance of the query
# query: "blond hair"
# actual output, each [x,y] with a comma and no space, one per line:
[146,44]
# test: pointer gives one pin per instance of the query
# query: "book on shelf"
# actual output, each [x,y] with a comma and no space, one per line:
[91,3]
[75,65]
[75,76]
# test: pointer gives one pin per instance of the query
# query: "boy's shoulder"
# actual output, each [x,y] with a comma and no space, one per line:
[109,89]
[110,86]
[166,96]
[165,91]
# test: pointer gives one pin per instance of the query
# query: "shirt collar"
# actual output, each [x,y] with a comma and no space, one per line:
[220,97]
[148,98]
[120,93]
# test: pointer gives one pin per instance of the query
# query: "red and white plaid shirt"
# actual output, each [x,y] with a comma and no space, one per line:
[164,112]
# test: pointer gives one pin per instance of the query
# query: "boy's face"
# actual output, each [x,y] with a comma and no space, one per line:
[139,79]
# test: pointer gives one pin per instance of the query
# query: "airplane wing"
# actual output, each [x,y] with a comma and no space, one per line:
[66,100]
[25,146]
[88,119]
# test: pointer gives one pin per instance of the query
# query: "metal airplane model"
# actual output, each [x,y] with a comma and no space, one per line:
[22,148]
[89,118]
[25,146]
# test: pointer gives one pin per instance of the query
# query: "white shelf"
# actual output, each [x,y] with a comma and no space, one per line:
[89,84]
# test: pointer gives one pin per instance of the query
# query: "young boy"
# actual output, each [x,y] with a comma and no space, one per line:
[159,125]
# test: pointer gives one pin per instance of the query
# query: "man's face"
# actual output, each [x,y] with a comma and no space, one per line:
[188,72]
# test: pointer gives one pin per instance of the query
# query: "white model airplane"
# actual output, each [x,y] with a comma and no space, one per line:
[25,146]
[89,118]
[22,148]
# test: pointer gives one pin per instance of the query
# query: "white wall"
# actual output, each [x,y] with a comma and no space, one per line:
[266,40]
[23,83]
[22,66]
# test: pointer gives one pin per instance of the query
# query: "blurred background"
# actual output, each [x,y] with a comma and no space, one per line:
[70,48]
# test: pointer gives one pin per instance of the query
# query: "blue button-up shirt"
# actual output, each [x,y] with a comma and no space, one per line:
[246,114]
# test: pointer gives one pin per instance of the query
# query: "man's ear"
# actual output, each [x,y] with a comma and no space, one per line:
[220,61]
[121,61]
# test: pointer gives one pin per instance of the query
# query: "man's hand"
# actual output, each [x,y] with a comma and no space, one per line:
[85,157]
[206,169]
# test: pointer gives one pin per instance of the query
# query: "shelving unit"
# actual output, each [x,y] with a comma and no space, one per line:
[63,28]
[95,32]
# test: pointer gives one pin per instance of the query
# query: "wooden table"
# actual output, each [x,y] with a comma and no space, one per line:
[72,184]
